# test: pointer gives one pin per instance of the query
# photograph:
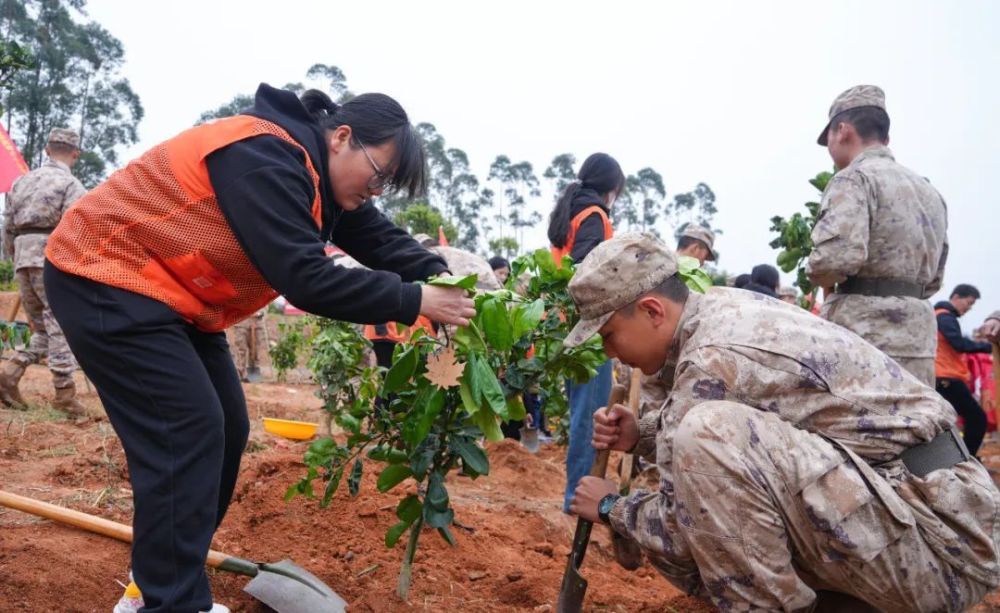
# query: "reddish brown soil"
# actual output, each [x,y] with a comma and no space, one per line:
[512,542]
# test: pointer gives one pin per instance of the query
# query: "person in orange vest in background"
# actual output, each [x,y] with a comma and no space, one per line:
[578,223]
[949,366]
[981,381]
[148,269]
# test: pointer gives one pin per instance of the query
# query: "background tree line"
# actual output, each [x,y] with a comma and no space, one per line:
[490,215]
[58,68]
[71,78]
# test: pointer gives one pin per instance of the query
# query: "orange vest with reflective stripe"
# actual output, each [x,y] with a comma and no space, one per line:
[394,333]
[155,228]
[574,226]
[948,363]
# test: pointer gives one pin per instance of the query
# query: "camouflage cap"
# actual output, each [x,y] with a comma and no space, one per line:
[613,275]
[64,136]
[788,292]
[856,97]
[700,232]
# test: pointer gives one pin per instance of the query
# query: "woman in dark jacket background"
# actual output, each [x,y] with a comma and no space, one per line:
[579,222]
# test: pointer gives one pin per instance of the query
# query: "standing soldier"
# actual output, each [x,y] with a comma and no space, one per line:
[35,205]
[249,336]
[880,243]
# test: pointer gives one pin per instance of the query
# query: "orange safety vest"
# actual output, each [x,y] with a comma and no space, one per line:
[155,228]
[574,226]
[948,362]
[392,331]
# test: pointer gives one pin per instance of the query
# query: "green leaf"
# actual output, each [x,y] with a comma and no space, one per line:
[392,534]
[396,456]
[496,325]
[409,508]
[467,282]
[528,317]
[446,534]
[402,371]
[349,423]
[393,475]
[472,454]
[420,418]
[489,387]
[515,407]
[422,458]
[437,493]
[470,404]
[438,519]
[354,481]
[331,487]
[487,422]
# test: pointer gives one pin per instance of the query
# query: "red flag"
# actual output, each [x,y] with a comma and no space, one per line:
[12,164]
[442,239]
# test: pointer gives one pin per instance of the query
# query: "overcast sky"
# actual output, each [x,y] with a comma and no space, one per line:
[729,93]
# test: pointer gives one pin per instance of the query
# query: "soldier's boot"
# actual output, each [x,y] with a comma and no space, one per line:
[10,375]
[66,401]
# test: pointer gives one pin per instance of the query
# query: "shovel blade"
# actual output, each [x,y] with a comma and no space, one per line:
[572,592]
[305,594]
[529,438]
[253,374]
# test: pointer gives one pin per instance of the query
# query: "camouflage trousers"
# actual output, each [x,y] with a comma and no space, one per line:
[247,354]
[774,514]
[47,338]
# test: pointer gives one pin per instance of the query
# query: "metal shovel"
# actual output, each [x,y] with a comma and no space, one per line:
[574,586]
[284,586]
[529,438]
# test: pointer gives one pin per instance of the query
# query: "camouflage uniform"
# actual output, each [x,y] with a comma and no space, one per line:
[778,458]
[247,354]
[36,203]
[880,220]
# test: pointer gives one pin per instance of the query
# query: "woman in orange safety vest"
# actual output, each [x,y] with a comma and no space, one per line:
[579,222]
[146,271]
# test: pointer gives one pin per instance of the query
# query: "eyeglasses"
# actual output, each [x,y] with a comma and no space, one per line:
[379,180]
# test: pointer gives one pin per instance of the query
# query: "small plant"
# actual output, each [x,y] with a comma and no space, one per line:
[7,283]
[795,237]
[285,352]
[424,416]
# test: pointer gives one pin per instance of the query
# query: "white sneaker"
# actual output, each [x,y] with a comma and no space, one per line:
[217,608]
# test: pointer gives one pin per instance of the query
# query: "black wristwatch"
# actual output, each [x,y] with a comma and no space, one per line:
[604,507]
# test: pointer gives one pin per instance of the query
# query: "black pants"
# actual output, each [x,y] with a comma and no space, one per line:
[957,393]
[174,398]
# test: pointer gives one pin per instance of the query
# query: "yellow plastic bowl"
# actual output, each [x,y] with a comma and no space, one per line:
[296,430]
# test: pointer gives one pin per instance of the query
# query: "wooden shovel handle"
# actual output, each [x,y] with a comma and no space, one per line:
[600,465]
[90,523]
[634,397]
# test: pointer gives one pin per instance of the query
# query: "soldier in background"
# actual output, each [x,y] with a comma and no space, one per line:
[797,462]
[36,203]
[698,242]
[880,243]
[249,337]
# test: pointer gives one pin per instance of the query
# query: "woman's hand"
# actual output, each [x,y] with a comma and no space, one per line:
[446,305]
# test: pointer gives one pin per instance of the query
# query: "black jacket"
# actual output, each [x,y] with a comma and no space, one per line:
[591,231]
[949,328]
[265,192]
